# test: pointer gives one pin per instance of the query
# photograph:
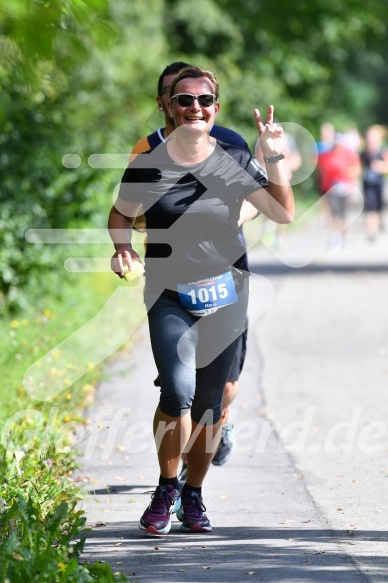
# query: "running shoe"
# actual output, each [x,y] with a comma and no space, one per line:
[182,475]
[225,447]
[157,518]
[192,514]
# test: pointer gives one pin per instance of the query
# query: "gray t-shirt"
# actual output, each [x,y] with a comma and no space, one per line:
[191,212]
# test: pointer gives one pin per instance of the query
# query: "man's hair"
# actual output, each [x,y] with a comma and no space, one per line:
[172,69]
[195,73]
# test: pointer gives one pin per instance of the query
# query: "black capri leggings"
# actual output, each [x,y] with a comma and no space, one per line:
[194,355]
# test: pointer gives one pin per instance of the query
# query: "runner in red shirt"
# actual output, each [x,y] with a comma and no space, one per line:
[339,170]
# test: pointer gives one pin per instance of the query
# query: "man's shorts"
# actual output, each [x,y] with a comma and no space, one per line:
[239,359]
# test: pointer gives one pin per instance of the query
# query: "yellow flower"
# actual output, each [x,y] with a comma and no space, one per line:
[48,313]
[15,324]
[62,566]
[68,396]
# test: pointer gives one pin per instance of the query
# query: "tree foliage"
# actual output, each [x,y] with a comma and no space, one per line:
[301,56]
[65,93]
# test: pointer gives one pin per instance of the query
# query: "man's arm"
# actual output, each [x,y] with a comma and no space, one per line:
[247,212]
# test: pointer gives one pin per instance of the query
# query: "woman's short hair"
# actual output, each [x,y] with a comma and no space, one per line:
[195,73]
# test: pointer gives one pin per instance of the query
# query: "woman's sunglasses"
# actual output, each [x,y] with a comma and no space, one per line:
[186,99]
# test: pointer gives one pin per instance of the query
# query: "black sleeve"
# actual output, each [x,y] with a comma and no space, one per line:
[247,170]
[136,178]
[256,176]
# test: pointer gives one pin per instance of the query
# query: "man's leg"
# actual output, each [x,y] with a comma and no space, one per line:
[230,393]
[227,441]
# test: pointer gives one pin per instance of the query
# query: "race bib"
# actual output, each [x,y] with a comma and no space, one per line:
[206,296]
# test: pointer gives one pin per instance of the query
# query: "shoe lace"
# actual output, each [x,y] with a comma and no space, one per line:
[161,500]
[226,434]
[194,508]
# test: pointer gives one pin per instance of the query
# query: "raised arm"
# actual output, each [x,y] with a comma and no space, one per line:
[277,200]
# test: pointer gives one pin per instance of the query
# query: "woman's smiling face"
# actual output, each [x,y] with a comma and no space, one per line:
[194,117]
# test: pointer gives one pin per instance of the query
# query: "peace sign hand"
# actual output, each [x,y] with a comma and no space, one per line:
[271,134]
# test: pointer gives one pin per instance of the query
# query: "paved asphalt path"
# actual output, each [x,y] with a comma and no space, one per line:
[305,495]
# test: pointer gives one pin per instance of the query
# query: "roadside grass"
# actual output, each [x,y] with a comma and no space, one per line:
[52,356]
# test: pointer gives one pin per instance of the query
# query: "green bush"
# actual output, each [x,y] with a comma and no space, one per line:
[41,530]
[37,191]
